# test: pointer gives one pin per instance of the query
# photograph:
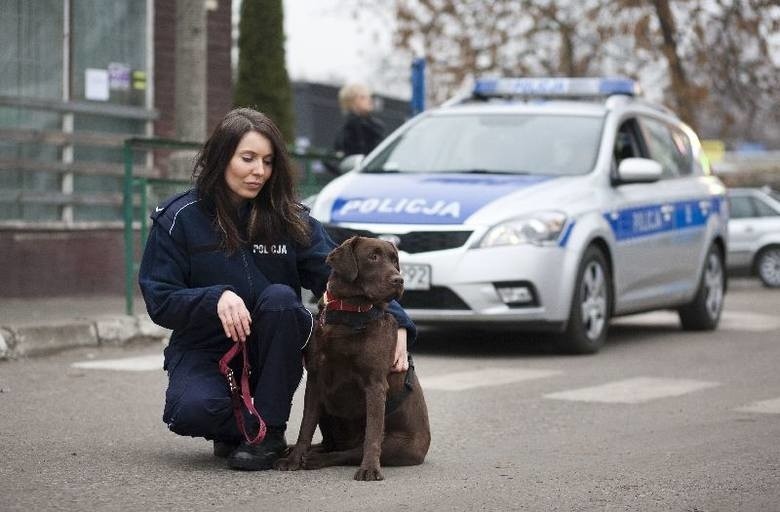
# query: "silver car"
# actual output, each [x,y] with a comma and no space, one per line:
[754,234]
[543,204]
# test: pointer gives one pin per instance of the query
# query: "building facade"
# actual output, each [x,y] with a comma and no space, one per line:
[77,78]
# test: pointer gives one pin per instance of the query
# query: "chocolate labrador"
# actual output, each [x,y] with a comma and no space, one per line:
[366,414]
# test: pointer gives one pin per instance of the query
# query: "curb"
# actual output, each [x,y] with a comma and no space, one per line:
[42,339]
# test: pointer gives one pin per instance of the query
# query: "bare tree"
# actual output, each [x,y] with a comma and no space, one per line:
[740,69]
[714,61]
[723,75]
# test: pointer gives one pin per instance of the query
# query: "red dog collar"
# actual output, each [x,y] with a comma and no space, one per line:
[334,304]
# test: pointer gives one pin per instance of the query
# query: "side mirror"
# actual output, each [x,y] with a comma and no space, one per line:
[350,163]
[639,170]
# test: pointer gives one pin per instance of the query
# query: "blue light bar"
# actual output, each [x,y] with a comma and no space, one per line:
[556,87]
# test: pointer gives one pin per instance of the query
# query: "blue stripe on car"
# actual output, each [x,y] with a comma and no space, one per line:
[564,239]
[416,198]
[648,220]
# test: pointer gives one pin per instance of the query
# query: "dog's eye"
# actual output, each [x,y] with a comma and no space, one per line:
[373,257]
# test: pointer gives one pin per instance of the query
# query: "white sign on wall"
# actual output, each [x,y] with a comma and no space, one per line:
[96,84]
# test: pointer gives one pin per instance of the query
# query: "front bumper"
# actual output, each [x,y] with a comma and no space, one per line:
[464,286]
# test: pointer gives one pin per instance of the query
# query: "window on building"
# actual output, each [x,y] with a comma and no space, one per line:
[55,57]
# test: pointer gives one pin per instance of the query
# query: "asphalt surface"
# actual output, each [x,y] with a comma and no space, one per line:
[659,420]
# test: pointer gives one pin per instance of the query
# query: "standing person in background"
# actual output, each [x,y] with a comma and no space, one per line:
[225,263]
[362,131]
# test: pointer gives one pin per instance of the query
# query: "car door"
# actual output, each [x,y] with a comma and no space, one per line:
[658,255]
[637,224]
[742,232]
[686,204]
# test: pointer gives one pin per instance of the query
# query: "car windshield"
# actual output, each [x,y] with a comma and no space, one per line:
[494,143]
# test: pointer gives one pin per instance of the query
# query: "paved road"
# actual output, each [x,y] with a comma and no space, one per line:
[659,420]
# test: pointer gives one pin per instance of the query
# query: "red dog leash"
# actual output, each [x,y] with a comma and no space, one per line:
[241,396]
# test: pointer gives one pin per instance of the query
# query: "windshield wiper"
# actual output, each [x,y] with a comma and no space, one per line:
[487,171]
[382,171]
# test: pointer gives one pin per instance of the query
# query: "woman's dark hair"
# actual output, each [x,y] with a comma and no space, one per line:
[275,213]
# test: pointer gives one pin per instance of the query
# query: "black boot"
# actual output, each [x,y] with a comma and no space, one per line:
[260,456]
[223,449]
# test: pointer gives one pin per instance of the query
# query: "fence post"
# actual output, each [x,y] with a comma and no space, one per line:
[418,85]
[127,206]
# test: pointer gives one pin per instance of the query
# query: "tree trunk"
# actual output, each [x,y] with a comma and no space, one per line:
[191,70]
[681,88]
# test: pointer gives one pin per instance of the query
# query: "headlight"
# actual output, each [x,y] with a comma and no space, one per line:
[533,229]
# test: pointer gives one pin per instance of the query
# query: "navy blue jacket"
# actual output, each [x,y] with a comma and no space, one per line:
[184,272]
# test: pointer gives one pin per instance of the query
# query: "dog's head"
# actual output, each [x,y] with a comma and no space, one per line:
[366,267]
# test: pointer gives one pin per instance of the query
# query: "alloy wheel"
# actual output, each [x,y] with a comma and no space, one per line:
[594,300]
[769,267]
[713,283]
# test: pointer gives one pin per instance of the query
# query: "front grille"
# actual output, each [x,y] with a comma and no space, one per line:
[438,297]
[412,243]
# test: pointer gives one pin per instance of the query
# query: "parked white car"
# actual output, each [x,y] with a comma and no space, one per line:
[543,204]
[754,234]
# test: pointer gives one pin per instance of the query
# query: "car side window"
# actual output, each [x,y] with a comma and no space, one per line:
[684,154]
[763,209]
[628,143]
[671,150]
[741,207]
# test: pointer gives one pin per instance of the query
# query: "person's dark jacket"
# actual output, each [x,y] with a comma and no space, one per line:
[184,272]
[359,134]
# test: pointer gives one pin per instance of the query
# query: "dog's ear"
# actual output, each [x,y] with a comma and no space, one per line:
[343,260]
[395,253]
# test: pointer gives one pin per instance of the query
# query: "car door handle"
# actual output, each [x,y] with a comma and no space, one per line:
[666,211]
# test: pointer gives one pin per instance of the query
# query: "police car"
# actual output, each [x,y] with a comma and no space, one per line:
[543,204]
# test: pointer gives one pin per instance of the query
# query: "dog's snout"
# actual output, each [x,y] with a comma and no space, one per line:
[397,280]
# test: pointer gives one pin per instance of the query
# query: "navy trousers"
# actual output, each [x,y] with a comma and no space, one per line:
[197,402]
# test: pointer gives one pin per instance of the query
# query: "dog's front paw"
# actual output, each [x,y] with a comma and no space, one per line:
[369,474]
[292,462]
[314,459]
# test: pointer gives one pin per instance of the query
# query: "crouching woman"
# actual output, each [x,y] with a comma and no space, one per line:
[225,263]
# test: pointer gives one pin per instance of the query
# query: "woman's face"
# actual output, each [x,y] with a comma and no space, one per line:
[250,167]
[362,103]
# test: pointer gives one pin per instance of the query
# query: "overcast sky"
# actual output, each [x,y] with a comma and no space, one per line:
[325,44]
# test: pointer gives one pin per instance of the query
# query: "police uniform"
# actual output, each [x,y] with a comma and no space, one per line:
[182,276]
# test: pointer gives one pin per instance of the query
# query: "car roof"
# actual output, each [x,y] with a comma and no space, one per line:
[579,96]
[552,107]
[591,107]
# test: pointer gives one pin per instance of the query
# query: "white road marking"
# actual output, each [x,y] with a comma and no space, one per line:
[130,364]
[459,381]
[633,391]
[729,321]
[763,407]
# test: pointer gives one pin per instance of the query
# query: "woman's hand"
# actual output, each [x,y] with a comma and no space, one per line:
[400,359]
[235,317]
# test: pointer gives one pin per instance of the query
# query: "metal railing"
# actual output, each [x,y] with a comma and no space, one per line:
[62,193]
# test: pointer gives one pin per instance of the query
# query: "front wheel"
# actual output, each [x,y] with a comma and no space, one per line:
[768,266]
[586,329]
[703,312]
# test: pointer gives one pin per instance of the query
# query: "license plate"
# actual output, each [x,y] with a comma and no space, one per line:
[416,276]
